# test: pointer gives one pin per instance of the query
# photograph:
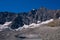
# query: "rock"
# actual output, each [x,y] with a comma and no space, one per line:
[19,19]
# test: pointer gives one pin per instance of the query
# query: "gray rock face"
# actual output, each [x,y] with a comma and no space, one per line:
[19,19]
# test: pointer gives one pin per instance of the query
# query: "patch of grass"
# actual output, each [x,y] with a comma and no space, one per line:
[54,23]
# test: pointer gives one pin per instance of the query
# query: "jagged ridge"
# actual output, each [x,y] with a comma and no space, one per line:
[18,20]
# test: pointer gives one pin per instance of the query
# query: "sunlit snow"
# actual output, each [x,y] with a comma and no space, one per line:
[45,22]
[38,21]
[33,25]
[7,23]
[25,26]
[20,28]
[59,17]
[33,9]
[4,26]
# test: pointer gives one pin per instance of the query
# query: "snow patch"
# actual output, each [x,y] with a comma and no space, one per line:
[25,26]
[4,26]
[33,25]
[7,23]
[20,28]
[38,22]
[46,22]
[33,9]
[59,17]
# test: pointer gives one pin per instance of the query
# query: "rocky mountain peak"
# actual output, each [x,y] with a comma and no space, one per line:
[18,20]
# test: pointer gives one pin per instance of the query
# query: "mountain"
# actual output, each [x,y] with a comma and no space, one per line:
[27,18]
[37,24]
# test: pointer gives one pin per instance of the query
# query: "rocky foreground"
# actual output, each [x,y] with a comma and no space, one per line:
[38,33]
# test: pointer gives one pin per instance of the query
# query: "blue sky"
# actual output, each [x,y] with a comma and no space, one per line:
[27,5]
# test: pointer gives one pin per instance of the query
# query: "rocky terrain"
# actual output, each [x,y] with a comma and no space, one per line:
[41,24]
[19,19]
[38,33]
